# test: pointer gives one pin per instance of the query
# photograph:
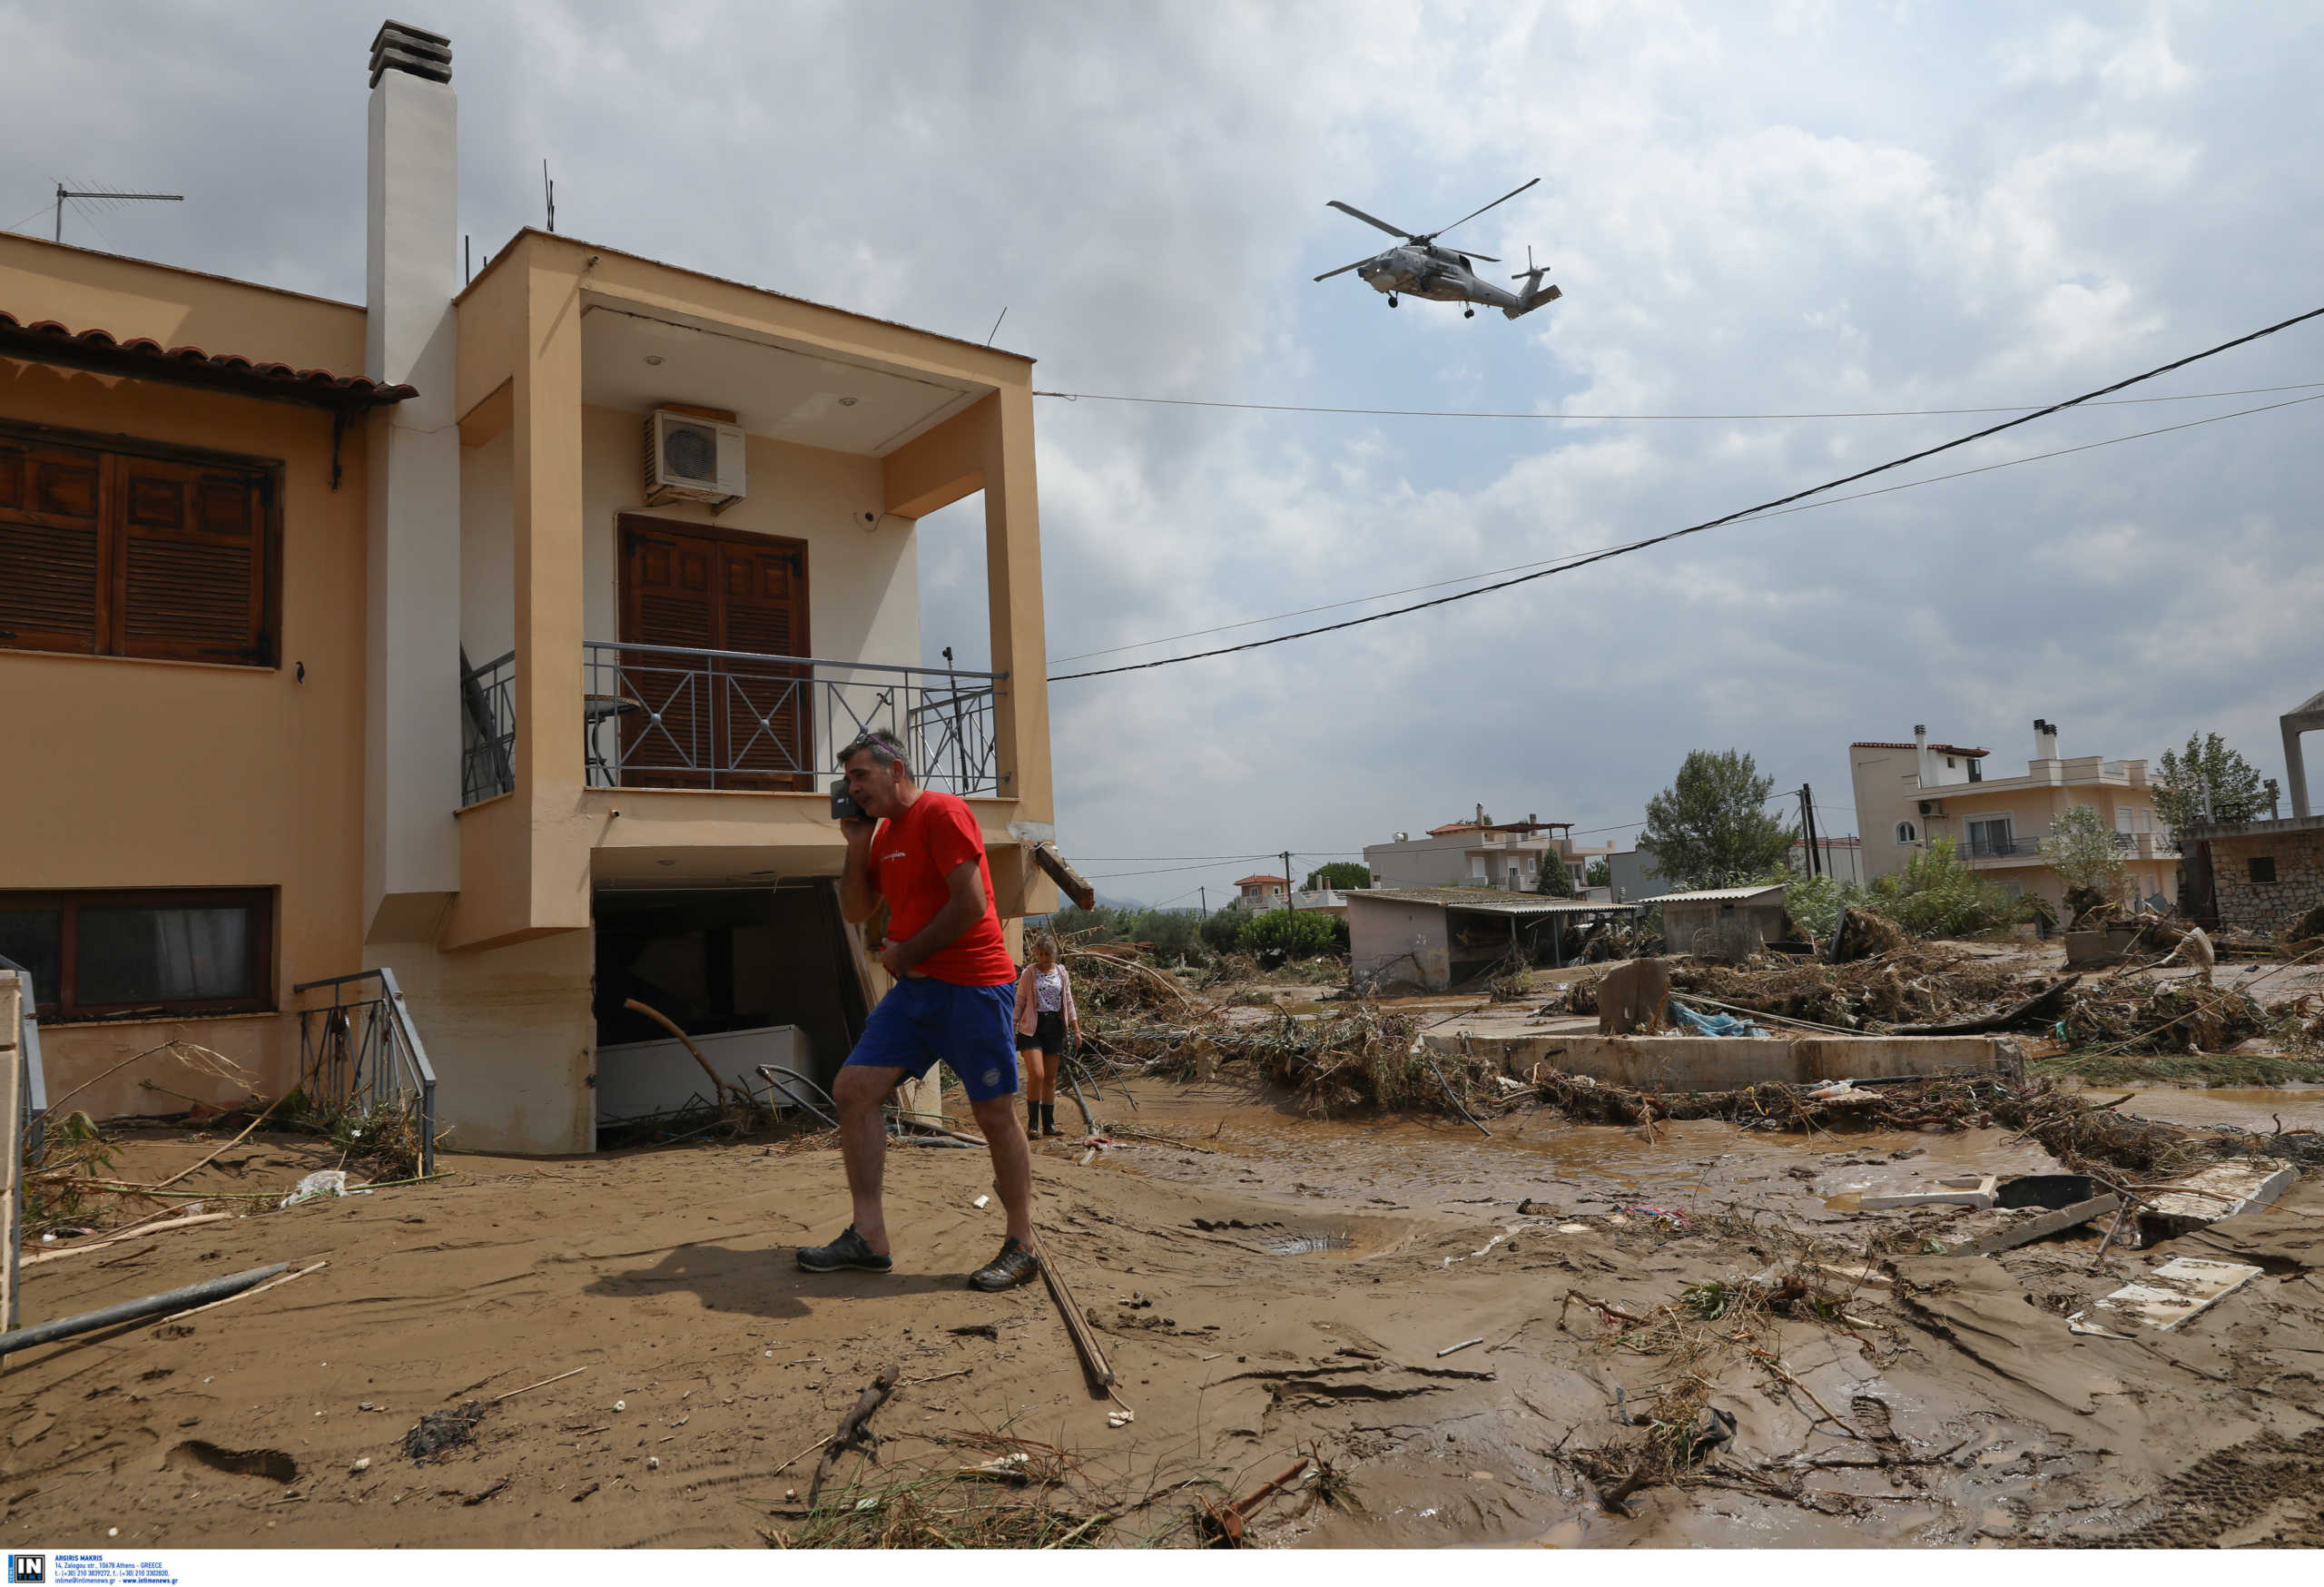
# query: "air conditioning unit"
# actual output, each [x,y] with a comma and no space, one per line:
[1932,807]
[693,458]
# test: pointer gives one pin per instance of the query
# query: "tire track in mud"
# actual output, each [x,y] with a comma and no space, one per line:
[2228,1489]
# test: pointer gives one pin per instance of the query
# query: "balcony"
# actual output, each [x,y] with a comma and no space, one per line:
[2001,848]
[662,716]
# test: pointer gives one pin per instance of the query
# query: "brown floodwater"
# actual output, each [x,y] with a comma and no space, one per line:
[1273,1153]
[2296,1107]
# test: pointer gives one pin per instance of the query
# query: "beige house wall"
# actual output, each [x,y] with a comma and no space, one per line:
[130,773]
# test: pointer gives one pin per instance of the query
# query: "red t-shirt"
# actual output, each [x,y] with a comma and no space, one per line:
[911,855]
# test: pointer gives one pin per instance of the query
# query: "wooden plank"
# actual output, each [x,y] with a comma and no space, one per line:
[2049,1223]
[1083,895]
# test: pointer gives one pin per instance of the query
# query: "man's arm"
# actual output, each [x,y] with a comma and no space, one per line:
[963,907]
[857,897]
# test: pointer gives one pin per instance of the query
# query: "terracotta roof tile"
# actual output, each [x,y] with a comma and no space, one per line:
[98,348]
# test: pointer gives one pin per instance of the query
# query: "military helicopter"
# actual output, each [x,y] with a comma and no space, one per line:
[1420,267]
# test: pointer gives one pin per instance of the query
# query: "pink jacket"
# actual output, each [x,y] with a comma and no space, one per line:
[1026,1014]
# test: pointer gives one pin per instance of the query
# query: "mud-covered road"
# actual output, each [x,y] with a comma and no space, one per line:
[1269,1286]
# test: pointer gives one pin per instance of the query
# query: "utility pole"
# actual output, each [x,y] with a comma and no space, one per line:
[1204,892]
[63,193]
[549,191]
[1808,830]
[1290,899]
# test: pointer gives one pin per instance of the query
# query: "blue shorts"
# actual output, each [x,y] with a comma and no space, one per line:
[973,1028]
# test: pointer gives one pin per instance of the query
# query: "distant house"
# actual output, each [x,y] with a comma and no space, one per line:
[1482,853]
[1264,892]
[1437,937]
[1910,795]
[2265,875]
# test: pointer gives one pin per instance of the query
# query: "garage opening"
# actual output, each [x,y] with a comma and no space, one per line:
[754,975]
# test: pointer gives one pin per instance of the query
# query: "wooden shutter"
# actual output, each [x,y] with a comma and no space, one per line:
[53,549]
[190,578]
[669,596]
[763,712]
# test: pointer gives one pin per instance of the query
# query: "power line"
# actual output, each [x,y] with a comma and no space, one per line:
[1766,507]
[1712,417]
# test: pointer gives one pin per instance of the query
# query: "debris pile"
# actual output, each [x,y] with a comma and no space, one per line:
[2174,1016]
[1909,985]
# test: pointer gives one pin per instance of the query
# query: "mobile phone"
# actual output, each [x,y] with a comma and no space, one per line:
[843,804]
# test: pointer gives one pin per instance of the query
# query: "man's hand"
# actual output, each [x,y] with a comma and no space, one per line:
[896,961]
[858,834]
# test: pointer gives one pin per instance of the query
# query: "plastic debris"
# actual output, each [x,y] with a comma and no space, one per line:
[1713,1024]
[320,1185]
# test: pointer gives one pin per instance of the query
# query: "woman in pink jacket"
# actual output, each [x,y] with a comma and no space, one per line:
[1045,1016]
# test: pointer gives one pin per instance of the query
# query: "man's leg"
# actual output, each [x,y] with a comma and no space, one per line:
[1012,1166]
[863,1145]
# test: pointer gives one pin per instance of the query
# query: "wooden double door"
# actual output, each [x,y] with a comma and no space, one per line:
[690,721]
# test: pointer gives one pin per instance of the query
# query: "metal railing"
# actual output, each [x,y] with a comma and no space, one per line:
[363,1050]
[488,729]
[1976,848]
[665,716]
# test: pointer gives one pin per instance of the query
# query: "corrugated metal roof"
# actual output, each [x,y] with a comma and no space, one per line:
[47,341]
[1715,894]
[1483,900]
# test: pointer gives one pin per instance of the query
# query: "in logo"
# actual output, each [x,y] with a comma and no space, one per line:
[28,1570]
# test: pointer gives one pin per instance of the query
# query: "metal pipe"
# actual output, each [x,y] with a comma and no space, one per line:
[129,1311]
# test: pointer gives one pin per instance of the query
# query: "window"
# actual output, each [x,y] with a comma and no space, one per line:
[1906,832]
[1993,836]
[109,552]
[115,955]
[2263,869]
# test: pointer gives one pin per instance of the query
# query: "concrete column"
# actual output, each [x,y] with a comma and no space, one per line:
[412,721]
[547,520]
[1012,542]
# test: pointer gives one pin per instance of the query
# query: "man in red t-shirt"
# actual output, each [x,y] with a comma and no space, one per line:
[955,998]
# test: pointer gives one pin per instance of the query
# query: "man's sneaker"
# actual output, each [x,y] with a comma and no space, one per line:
[1013,1267]
[847,1251]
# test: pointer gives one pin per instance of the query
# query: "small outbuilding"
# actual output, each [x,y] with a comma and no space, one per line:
[1723,923]
[1435,938]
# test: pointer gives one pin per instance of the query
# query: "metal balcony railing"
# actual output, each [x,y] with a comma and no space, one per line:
[362,1050]
[1984,848]
[665,716]
[488,729]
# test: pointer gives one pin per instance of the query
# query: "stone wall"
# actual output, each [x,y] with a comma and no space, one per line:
[2298,888]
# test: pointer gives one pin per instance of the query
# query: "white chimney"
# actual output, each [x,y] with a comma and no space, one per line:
[1925,763]
[2046,740]
[412,743]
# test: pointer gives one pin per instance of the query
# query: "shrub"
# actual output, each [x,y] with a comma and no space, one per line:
[1299,934]
[1937,895]
[1815,902]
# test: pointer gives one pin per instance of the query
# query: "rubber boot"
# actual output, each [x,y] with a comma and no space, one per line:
[1048,1118]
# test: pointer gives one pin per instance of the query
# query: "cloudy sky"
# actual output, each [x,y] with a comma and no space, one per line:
[1801,209]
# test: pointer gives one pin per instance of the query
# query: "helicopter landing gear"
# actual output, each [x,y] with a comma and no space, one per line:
[1392,300]
[1468,313]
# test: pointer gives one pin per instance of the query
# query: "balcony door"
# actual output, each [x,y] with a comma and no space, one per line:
[1992,837]
[702,722]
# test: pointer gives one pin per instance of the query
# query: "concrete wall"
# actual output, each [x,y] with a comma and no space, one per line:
[1399,940]
[2299,886]
[1732,931]
[126,772]
[1632,876]
[512,1038]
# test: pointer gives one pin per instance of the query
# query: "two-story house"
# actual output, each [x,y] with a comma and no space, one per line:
[1479,852]
[1263,891]
[496,632]
[1908,795]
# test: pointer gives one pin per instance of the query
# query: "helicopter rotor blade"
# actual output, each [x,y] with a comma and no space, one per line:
[1472,214]
[1374,219]
[1488,258]
[1344,269]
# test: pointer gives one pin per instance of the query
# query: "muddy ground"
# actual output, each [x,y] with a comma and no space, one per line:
[1267,1287]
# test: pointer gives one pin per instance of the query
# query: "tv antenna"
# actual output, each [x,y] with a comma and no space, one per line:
[63,193]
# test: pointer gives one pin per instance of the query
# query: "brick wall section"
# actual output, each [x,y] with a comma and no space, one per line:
[2298,888]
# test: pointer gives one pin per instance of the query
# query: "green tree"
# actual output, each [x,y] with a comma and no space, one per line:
[1340,874]
[1222,933]
[1554,879]
[2082,850]
[1712,828]
[1599,874]
[2235,789]
[1937,894]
